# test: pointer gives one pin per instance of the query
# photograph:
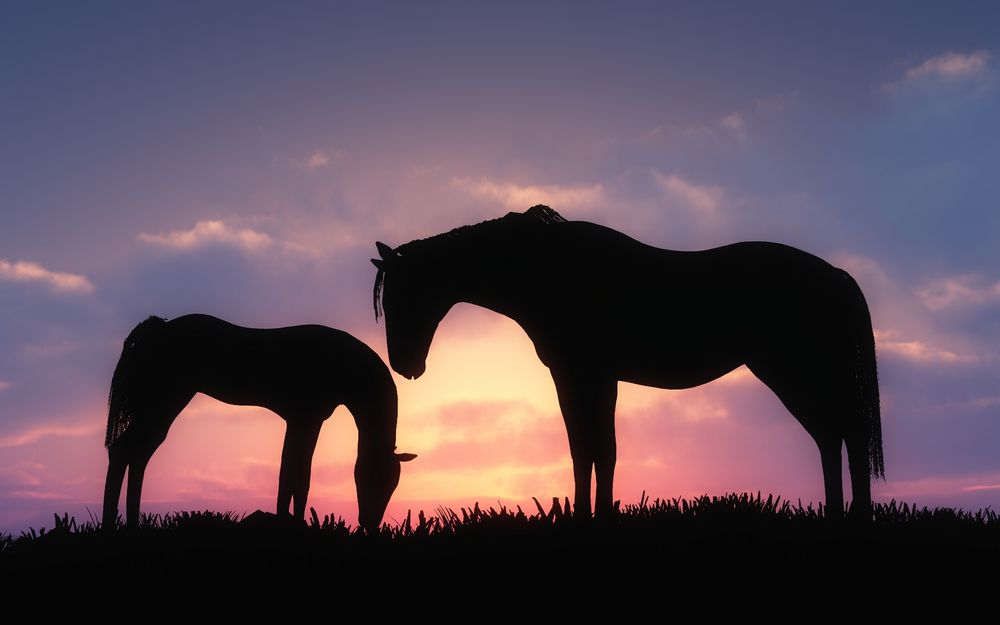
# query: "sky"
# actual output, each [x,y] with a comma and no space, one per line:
[241,158]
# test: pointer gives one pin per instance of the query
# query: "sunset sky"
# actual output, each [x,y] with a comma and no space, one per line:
[241,158]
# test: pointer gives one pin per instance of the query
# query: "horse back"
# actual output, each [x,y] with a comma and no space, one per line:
[622,303]
[307,366]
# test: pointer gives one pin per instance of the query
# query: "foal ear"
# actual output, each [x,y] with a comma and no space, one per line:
[405,457]
[386,252]
[378,263]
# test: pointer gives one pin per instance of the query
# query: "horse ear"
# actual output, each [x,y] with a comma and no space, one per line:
[405,457]
[386,252]
[378,263]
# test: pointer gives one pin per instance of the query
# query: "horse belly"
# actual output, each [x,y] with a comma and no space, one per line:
[678,375]
[678,364]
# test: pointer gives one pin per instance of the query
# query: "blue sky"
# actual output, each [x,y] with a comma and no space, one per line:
[241,158]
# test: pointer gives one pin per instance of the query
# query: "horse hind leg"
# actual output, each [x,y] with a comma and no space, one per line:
[830,451]
[117,465]
[145,437]
[860,468]
[802,396]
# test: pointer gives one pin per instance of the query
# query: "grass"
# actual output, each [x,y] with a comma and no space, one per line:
[681,539]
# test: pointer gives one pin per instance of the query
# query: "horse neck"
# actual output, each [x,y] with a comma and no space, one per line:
[375,416]
[503,283]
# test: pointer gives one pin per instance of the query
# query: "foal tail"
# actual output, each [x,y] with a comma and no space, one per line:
[123,381]
[866,374]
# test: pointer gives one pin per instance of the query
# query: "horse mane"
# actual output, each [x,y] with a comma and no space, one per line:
[122,382]
[468,237]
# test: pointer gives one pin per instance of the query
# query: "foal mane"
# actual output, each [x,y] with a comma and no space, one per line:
[467,238]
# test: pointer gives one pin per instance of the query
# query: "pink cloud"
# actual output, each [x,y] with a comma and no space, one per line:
[36,434]
[520,197]
[951,65]
[915,350]
[704,198]
[958,291]
[209,232]
[59,282]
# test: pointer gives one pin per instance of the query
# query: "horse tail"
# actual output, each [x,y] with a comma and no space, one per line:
[866,374]
[120,409]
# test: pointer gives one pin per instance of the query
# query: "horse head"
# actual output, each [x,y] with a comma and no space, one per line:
[412,306]
[376,477]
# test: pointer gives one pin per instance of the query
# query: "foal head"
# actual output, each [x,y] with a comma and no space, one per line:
[376,477]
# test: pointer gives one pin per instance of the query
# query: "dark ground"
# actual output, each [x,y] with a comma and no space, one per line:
[713,550]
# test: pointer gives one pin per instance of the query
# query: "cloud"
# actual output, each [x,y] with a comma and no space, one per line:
[4,385]
[207,233]
[778,102]
[521,197]
[319,159]
[978,487]
[34,435]
[734,121]
[25,271]
[958,291]
[316,160]
[951,65]
[703,198]
[888,341]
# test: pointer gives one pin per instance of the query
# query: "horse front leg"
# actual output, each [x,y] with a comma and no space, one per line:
[306,449]
[606,451]
[587,403]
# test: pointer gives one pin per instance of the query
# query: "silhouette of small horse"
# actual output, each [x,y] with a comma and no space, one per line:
[302,373]
[601,307]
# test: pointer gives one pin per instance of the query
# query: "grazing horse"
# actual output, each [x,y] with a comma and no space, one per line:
[601,307]
[302,373]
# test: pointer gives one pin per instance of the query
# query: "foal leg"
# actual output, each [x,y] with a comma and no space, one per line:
[296,464]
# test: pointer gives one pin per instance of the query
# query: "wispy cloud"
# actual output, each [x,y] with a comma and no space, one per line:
[521,197]
[4,385]
[36,434]
[318,159]
[207,233]
[915,350]
[949,67]
[704,198]
[734,121]
[59,282]
[958,291]
[777,102]
[978,487]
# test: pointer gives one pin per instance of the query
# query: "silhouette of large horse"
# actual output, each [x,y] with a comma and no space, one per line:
[302,373]
[601,307]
